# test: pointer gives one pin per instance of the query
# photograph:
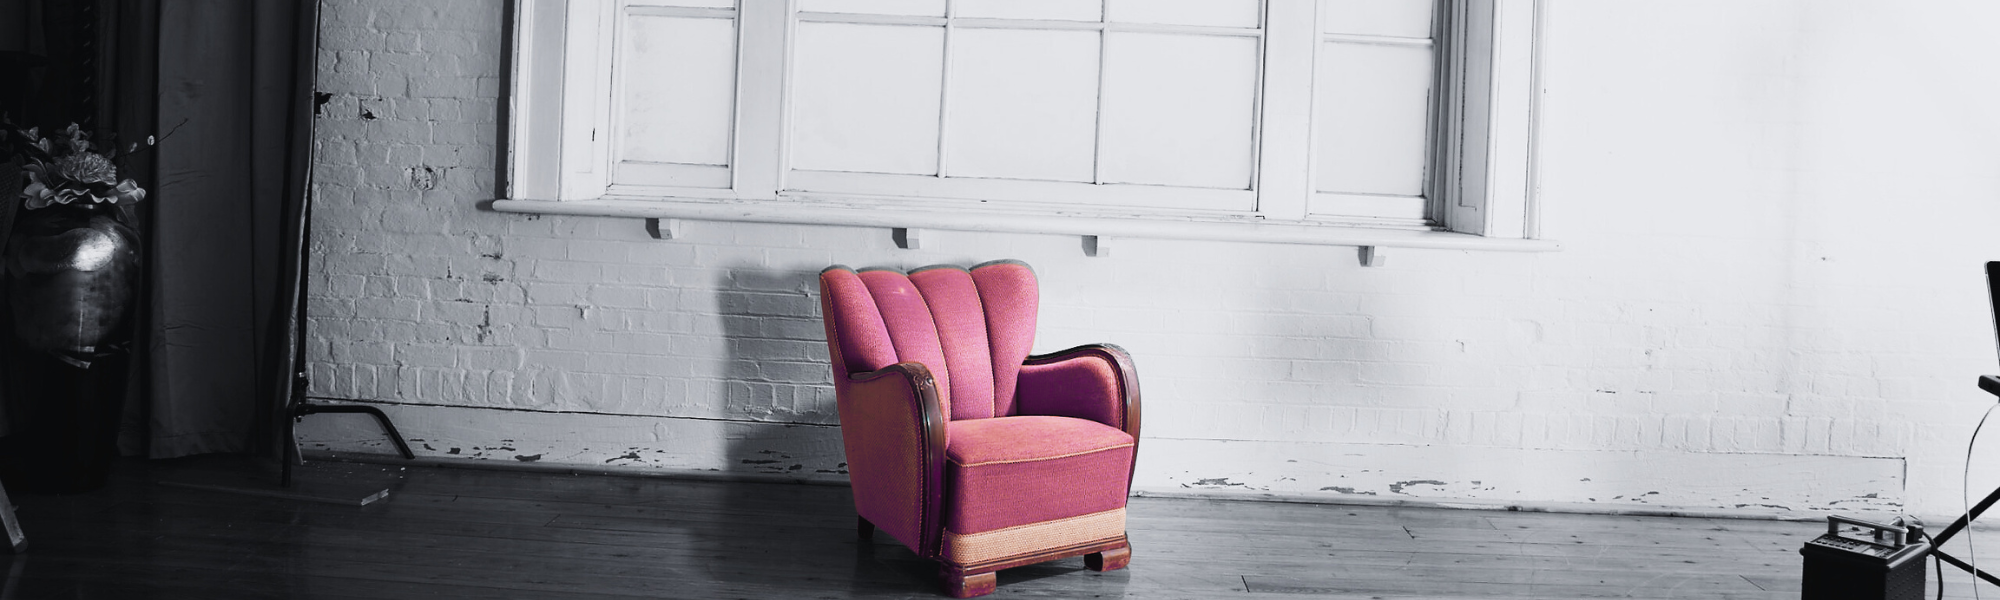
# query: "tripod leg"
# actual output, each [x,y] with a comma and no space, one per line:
[1963,521]
[291,456]
[1966,567]
[16,541]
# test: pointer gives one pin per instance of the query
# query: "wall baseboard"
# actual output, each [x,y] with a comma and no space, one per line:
[1554,480]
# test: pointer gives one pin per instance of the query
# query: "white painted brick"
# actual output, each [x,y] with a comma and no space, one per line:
[617,296]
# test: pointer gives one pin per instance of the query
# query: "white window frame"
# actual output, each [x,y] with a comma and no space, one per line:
[559,152]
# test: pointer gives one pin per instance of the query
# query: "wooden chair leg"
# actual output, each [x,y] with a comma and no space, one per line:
[1109,560]
[961,584]
[863,529]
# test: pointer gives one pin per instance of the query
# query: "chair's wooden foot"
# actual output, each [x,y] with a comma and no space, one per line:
[1109,560]
[961,584]
[863,529]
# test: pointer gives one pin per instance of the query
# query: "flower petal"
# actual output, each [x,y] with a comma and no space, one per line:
[37,200]
[129,191]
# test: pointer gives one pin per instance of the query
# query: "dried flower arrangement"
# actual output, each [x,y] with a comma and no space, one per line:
[64,169]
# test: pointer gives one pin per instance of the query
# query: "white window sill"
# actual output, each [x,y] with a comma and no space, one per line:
[1095,223]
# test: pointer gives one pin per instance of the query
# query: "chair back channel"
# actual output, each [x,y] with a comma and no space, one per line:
[970,327]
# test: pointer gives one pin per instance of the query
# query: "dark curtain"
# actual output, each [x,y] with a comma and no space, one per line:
[226,88]
[235,109]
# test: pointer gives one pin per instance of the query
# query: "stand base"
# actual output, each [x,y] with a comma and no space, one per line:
[301,409]
[335,483]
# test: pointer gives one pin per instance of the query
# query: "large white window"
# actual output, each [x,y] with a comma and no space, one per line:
[1362,122]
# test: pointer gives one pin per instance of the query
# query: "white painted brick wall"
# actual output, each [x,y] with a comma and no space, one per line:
[1761,270]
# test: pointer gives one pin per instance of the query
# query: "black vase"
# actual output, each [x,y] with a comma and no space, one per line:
[72,270]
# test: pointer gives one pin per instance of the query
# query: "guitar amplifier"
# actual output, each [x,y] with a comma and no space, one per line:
[1859,560]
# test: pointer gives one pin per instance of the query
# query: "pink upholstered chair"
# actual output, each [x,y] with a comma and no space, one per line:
[959,444]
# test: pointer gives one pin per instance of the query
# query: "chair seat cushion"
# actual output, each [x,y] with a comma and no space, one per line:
[1009,471]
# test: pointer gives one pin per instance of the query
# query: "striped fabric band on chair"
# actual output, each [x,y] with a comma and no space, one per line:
[1022,539]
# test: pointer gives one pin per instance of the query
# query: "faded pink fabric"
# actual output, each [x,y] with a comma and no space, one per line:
[854,329]
[961,329]
[1010,471]
[911,330]
[881,425]
[882,431]
[1008,291]
[1085,387]
[972,330]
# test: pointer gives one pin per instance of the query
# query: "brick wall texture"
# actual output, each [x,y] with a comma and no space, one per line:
[1737,279]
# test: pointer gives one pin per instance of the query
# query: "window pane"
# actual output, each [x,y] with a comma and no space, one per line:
[1218,13]
[1400,18]
[1178,109]
[679,77]
[1065,10]
[919,8]
[867,98]
[1023,104]
[1373,109]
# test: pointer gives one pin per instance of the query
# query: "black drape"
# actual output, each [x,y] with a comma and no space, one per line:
[226,88]
[235,80]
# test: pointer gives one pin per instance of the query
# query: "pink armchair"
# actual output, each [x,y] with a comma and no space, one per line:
[959,444]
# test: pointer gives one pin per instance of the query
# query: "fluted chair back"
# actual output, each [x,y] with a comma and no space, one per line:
[972,327]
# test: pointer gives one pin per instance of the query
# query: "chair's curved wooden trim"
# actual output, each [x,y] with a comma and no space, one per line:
[931,414]
[1128,386]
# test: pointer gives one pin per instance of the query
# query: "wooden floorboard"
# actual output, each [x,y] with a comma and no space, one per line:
[464,533]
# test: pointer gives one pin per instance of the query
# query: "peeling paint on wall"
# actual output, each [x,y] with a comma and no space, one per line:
[611,442]
[1333,471]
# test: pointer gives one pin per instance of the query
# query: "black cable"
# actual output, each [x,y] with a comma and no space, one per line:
[1965,487]
[1940,564]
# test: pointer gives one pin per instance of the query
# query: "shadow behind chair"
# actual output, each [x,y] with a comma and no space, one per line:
[959,444]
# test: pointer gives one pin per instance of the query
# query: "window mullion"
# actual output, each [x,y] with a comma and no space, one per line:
[534,134]
[944,89]
[586,139]
[1284,160]
[1489,166]
[762,76]
[1097,138]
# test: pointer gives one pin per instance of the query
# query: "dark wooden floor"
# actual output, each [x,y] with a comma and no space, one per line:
[456,533]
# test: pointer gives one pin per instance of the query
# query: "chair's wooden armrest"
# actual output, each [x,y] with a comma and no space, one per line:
[1120,394]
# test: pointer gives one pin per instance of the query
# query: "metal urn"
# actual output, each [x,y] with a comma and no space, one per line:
[71,273]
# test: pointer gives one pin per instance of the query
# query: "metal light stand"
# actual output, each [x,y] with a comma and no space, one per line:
[300,407]
[297,406]
[1991,384]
